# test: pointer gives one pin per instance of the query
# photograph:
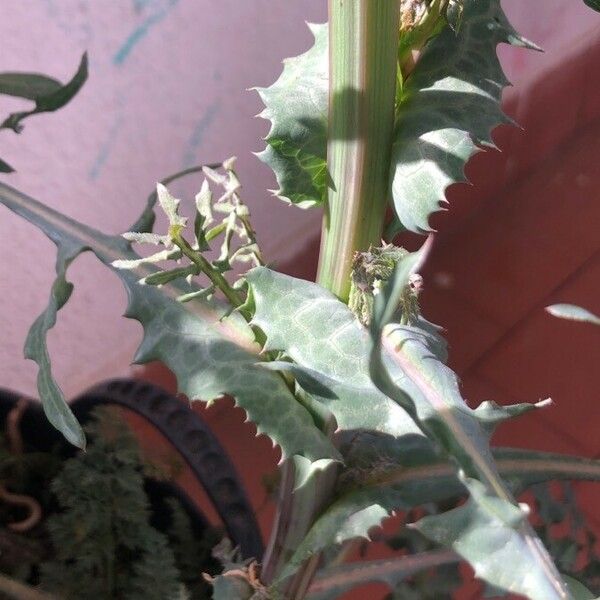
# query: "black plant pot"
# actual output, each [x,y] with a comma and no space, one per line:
[187,433]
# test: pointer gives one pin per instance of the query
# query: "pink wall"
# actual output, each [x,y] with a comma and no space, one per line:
[166,90]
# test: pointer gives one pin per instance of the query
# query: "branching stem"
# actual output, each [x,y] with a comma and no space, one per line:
[363,45]
[215,277]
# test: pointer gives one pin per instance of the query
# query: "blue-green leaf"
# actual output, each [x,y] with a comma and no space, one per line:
[444,416]
[328,346]
[487,531]
[449,106]
[446,110]
[330,350]
[373,492]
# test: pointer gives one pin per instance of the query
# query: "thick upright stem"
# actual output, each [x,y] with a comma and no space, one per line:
[363,44]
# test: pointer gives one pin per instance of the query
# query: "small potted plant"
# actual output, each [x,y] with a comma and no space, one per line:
[101,521]
[345,375]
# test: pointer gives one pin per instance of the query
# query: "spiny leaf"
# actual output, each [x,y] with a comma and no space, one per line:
[313,328]
[379,490]
[449,105]
[296,105]
[210,354]
[355,514]
[487,532]
[333,582]
[444,416]
[491,414]
[330,353]
[328,346]
[573,313]
[405,369]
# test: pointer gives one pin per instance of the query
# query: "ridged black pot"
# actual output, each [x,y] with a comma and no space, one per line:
[187,433]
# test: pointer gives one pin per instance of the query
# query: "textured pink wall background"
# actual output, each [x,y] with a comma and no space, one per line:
[166,91]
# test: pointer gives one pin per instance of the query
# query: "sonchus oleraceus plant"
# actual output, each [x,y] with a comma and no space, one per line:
[345,375]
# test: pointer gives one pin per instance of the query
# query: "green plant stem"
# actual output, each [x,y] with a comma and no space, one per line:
[363,42]
[362,85]
[215,277]
[215,231]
